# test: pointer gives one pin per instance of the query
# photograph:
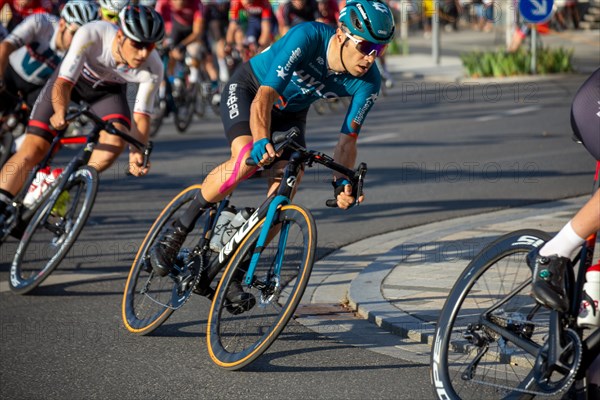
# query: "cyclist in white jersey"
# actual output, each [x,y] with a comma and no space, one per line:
[101,60]
[33,50]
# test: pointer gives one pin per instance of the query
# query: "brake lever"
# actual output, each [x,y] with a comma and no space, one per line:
[147,151]
[362,171]
[357,186]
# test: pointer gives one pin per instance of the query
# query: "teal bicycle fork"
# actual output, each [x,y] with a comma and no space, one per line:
[277,201]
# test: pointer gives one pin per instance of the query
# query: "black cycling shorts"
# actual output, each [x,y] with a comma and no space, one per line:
[14,84]
[216,19]
[109,102]
[585,114]
[236,99]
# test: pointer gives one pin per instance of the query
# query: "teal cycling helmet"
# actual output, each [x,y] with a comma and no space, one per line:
[371,20]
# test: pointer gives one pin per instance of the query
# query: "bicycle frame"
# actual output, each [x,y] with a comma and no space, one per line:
[271,206]
[591,345]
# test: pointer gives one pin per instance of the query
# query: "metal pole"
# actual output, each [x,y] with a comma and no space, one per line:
[509,22]
[533,48]
[435,32]
[404,26]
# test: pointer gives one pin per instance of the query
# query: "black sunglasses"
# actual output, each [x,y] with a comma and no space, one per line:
[142,46]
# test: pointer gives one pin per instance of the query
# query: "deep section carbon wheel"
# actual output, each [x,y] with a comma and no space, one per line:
[244,319]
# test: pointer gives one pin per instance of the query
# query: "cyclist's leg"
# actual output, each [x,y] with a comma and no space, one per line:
[235,115]
[223,179]
[553,258]
[16,170]
[37,143]
[216,32]
[193,59]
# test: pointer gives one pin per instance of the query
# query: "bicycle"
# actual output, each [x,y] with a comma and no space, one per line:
[179,97]
[271,256]
[494,340]
[208,96]
[54,221]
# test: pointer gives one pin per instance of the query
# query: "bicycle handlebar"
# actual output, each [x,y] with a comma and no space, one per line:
[285,139]
[84,110]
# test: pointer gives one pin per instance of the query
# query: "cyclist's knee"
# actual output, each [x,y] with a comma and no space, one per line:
[33,150]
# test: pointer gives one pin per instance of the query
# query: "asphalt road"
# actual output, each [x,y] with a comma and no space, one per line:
[434,151]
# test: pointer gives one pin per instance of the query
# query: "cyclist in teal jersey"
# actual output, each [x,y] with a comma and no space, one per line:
[273,92]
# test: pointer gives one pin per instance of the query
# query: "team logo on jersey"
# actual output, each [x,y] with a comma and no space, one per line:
[362,112]
[320,60]
[281,72]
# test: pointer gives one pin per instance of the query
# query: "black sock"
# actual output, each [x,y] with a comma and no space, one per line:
[193,212]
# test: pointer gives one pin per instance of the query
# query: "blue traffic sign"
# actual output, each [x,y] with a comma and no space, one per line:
[536,11]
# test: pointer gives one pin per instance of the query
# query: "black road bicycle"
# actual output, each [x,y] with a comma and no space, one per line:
[179,98]
[493,340]
[271,256]
[53,223]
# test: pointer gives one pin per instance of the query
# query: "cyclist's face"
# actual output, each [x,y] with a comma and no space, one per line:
[135,53]
[355,61]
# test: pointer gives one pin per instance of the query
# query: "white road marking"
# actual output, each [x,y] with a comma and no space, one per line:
[515,111]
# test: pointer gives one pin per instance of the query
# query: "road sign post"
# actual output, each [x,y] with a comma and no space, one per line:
[535,12]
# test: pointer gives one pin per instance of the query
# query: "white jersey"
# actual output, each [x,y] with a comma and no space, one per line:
[36,56]
[90,57]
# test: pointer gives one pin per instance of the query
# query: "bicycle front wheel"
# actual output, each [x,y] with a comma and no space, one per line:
[490,330]
[150,299]
[239,333]
[53,230]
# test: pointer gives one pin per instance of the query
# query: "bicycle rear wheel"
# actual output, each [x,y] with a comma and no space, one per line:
[185,107]
[53,230]
[490,330]
[237,335]
[160,110]
[149,299]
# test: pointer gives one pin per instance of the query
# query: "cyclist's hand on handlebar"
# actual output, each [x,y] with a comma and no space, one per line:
[263,152]
[136,162]
[344,196]
[58,122]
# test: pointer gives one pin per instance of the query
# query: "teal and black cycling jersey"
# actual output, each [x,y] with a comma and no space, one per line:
[296,67]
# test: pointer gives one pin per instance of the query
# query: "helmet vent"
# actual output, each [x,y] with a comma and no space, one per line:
[358,25]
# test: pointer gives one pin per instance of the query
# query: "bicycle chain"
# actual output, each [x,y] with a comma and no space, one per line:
[566,385]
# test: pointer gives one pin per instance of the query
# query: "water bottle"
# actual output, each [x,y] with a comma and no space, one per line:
[52,177]
[216,242]
[589,314]
[36,187]
[235,224]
